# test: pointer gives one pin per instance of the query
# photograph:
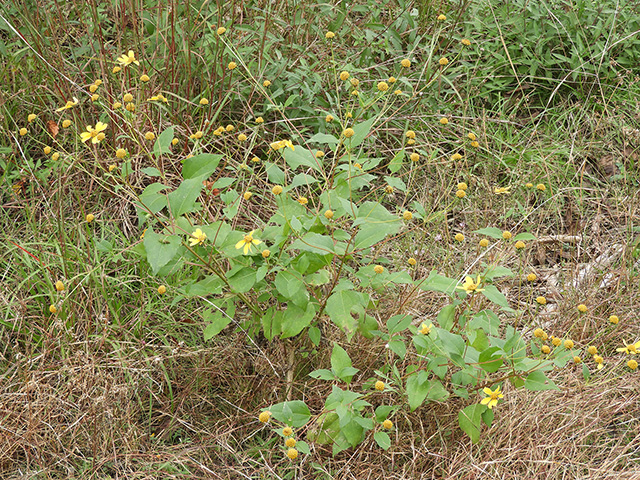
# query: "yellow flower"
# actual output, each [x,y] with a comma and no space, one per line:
[520,245]
[532,277]
[506,235]
[89,218]
[383,86]
[287,431]
[414,157]
[266,253]
[59,286]
[266,84]
[93,88]
[387,424]
[328,214]
[406,63]
[319,154]
[444,120]
[632,364]
[592,350]
[282,144]
[276,190]
[484,242]
[242,137]
[470,286]
[541,300]
[116,69]
[529,185]
[246,242]
[232,65]
[614,319]
[47,150]
[582,308]
[290,442]
[378,269]
[128,59]
[388,189]
[541,187]
[397,92]
[631,349]
[259,120]
[247,195]
[407,215]
[475,144]
[379,386]
[66,123]
[465,42]
[264,416]
[144,77]
[31,117]
[221,30]
[329,35]
[121,153]
[501,190]
[410,134]
[204,101]
[459,237]
[391,80]
[292,453]
[556,341]
[303,200]
[471,136]
[462,186]
[461,194]
[577,359]
[53,309]
[68,105]
[93,133]
[348,132]
[344,75]
[112,168]
[545,349]
[443,61]
[95,97]
[599,360]
[149,135]
[492,396]
[198,134]
[412,261]
[456,156]
[328,118]
[23,131]
[174,142]
[198,237]
[426,329]
[442,17]
[55,156]
[539,333]
[568,344]
[116,105]
[162,289]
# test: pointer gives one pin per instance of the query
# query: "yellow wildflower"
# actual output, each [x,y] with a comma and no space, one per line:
[631,349]
[470,286]
[328,214]
[387,424]
[443,61]
[198,237]
[426,329]
[379,386]
[329,35]
[501,190]
[292,453]
[68,105]
[484,242]
[93,133]
[204,101]
[144,77]
[66,123]
[264,416]
[246,243]
[128,59]
[459,237]
[221,30]
[492,396]
[162,289]
[406,63]
[378,269]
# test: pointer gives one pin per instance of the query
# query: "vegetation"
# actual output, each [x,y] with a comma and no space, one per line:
[383,239]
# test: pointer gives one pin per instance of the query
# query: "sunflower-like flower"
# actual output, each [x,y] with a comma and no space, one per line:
[470,286]
[94,134]
[493,395]
[246,242]
[68,105]
[128,59]
[282,144]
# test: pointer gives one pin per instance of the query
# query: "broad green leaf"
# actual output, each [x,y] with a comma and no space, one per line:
[446,317]
[396,163]
[537,381]
[340,363]
[274,173]
[324,138]
[271,322]
[243,280]
[382,439]
[323,374]
[383,411]
[295,413]
[160,249]
[469,420]
[339,307]
[302,179]
[437,392]
[496,271]
[491,232]
[211,285]
[301,157]
[495,295]
[217,322]
[417,388]
[524,236]
[183,199]
[296,319]
[162,144]
[398,347]
[151,172]
[200,166]
[490,359]
[437,283]
[361,130]
[398,323]
[292,288]
[396,182]
[152,199]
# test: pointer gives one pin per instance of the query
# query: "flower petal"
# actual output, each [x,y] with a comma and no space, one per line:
[487,391]
[240,244]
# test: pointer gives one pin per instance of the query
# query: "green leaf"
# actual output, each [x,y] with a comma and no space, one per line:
[160,249]
[396,163]
[291,287]
[295,413]
[437,392]
[446,316]
[217,322]
[493,294]
[151,172]
[296,319]
[524,236]
[537,381]
[495,271]
[243,280]
[162,144]
[361,130]
[323,374]
[490,360]
[274,173]
[339,307]
[398,323]
[382,439]
[491,232]
[211,285]
[398,347]
[376,223]
[417,388]
[183,199]
[437,283]
[469,420]
[383,411]
[341,363]
[301,157]
[200,166]
[302,179]
[324,139]
[396,182]
[152,199]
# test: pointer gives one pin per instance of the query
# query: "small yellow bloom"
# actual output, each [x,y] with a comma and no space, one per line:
[276,190]
[199,134]
[568,344]
[506,235]
[466,42]
[443,61]
[631,349]
[116,69]
[221,30]
[266,253]
[614,319]
[290,442]
[264,416]
[470,286]
[545,349]
[292,453]
[592,350]
[599,360]
[348,132]
[59,286]
[492,397]
[328,214]
[410,134]
[287,431]
[577,359]
[426,329]
[383,86]
[475,144]
[329,35]
[501,190]
[93,88]
[520,245]
[388,189]
[406,63]
[144,77]
[93,133]
[47,150]
[319,154]
[128,59]
[459,237]
[242,137]
[471,136]
[461,194]
[407,215]
[282,144]
[121,153]
[456,156]
[541,187]
[582,308]
[387,424]
[112,167]
[378,269]
[247,242]
[484,242]
[328,118]
[540,333]
[162,289]
[379,386]
[414,157]
[444,120]
[204,101]
[532,277]
[412,261]
[442,17]
[259,120]
[68,105]
[529,185]
[150,135]
[66,123]
[344,75]
[247,195]
[541,300]
[198,237]
[632,364]
[462,186]
[556,341]
[31,117]
[116,105]
[392,80]
[89,218]
[53,309]
[23,131]
[303,200]
[397,92]
[55,156]
[95,97]
[266,84]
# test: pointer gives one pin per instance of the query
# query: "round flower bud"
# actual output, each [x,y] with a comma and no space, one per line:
[614,319]
[582,308]
[406,63]
[247,195]
[462,186]
[328,118]
[379,386]
[149,135]
[264,416]
[412,261]
[287,431]
[204,101]
[414,157]
[388,424]
[144,77]
[541,187]
[242,137]
[459,237]
[632,364]
[383,86]
[407,215]
[568,344]
[53,309]
[506,235]
[410,134]
[539,333]
[328,214]
[442,17]
[344,75]
[475,144]
[545,349]
[66,123]
[47,150]
[455,157]
[127,97]
[303,200]
[23,131]
[484,242]
[162,289]
[532,277]
[232,65]
[329,35]
[519,245]
[292,453]
[443,61]
[541,300]
[59,286]
[471,136]
[348,132]
[266,84]
[221,30]
[276,190]
[89,218]
[266,253]
[577,359]
[592,350]
[55,156]
[461,194]
[378,269]
[116,69]
[33,116]
[556,341]
[290,442]
[444,120]
[121,153]
[259,120]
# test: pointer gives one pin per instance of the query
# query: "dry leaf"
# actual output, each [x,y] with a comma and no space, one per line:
[53,128]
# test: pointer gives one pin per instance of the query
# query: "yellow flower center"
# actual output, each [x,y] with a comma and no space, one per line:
[248,238]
